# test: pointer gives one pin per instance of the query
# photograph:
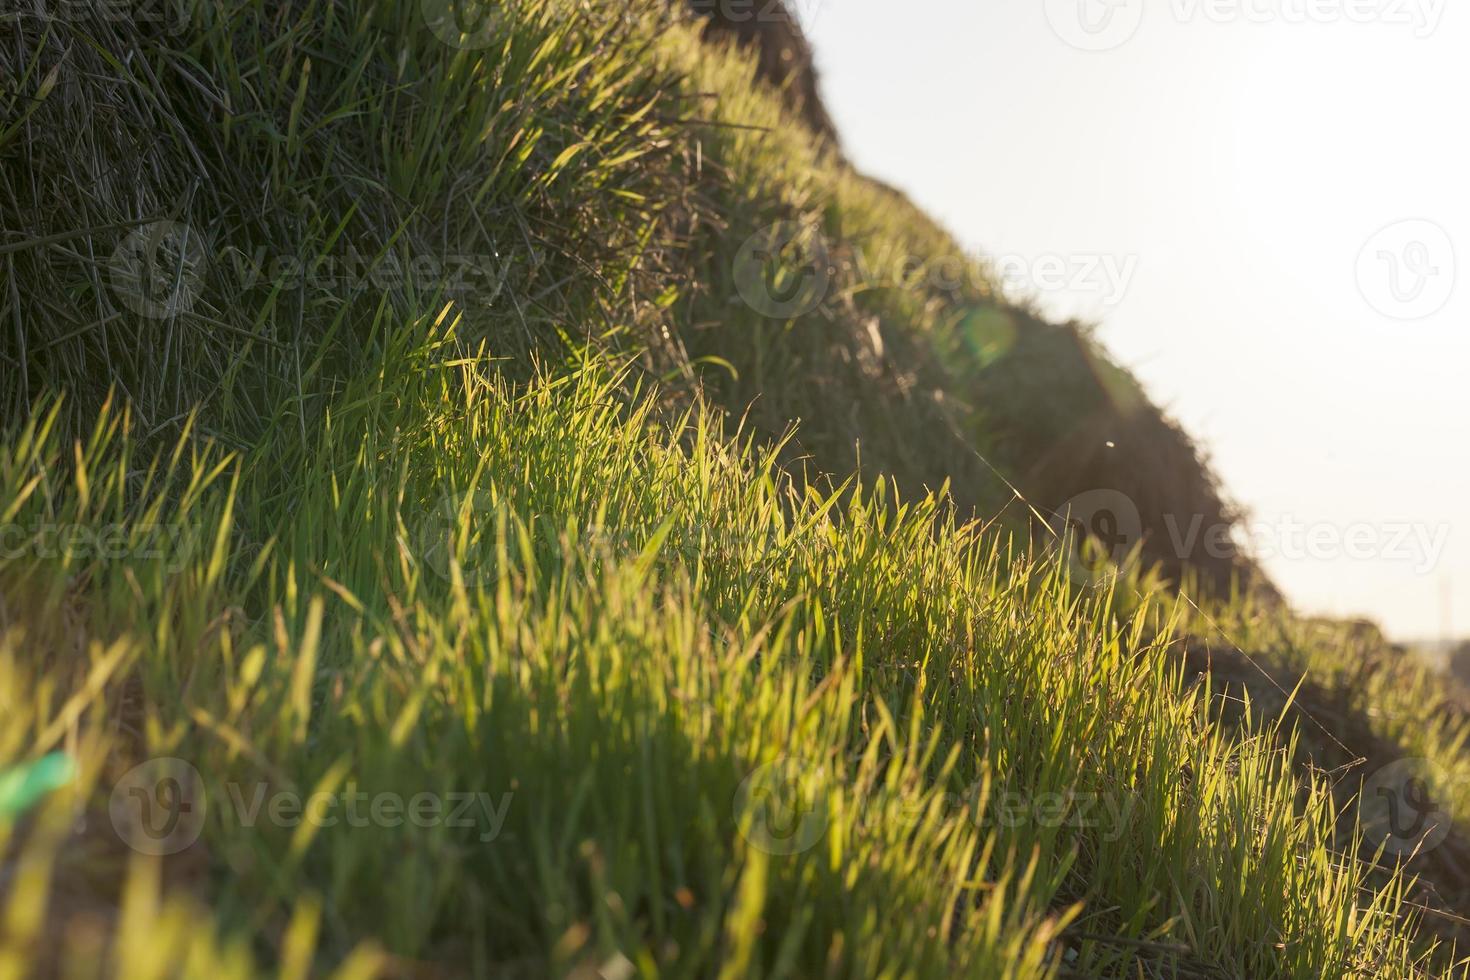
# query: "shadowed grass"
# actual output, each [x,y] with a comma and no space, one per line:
[274,176]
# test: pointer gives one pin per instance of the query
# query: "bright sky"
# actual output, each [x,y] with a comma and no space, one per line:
[1256,163]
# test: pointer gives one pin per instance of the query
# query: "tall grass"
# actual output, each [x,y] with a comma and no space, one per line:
[351,536]
[641,641]
[572,176]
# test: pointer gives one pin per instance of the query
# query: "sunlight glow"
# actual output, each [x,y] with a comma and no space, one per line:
[1282,173]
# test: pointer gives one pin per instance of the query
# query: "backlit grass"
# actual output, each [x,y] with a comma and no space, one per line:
[424,467]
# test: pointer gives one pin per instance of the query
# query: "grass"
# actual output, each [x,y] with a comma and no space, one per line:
[628,678]
[572,180]
[999,772]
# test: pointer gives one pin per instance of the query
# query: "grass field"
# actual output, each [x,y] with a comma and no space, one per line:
[409,570]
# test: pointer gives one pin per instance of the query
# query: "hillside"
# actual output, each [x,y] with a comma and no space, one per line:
[501,496]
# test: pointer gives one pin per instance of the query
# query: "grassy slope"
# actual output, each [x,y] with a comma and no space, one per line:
[621,688]
[416,572]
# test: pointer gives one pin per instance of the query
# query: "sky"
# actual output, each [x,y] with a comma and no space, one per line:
[1265,207]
